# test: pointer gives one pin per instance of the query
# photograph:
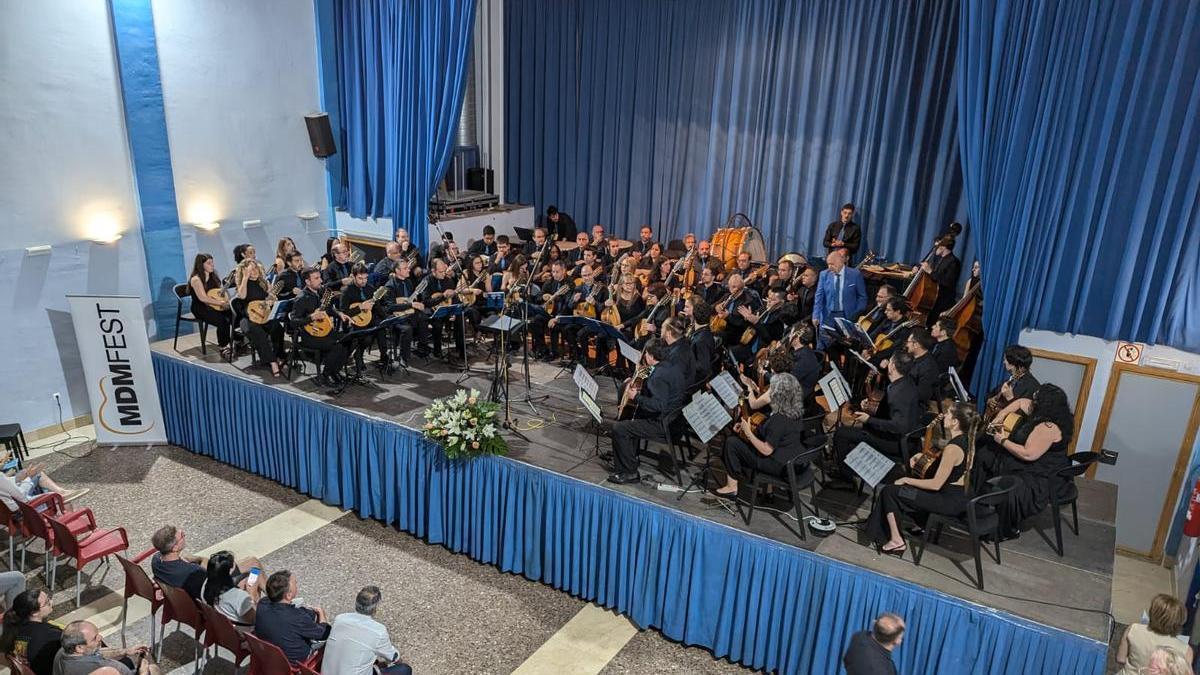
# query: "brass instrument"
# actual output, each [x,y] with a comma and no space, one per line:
[323,326]
[363,318]
[259,311]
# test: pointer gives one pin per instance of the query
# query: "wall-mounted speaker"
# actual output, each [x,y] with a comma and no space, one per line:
[320,135]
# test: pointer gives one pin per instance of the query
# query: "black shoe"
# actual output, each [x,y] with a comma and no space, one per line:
[915,531]
[624,478]
[606,456]
[321,381]
[403,363]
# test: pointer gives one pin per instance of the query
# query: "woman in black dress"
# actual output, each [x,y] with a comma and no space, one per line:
[213,311]
[944,492]
[266,338]
[1033,453]
[776,442]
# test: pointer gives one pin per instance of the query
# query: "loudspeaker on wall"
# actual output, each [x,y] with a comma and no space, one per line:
[320,135]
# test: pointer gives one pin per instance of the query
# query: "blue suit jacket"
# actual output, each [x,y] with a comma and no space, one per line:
[854,295]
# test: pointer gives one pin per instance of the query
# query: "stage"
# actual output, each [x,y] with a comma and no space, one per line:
[1062,603]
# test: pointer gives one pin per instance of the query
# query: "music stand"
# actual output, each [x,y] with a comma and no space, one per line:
[348,339]
[597,421]
[387,325]
[706,416]
[451,311]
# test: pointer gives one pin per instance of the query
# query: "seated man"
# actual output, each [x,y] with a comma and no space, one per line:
[82,654]
[292,628]
[171,567]
[29,483]
[358,643]
[885,432]
[661,394]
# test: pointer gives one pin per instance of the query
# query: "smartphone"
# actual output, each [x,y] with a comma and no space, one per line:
[252,577]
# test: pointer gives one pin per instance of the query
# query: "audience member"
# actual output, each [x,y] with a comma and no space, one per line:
[1167,616]
[292,628]
[12,584]
[229,589]
[29,483]
[82,654]
[870,652]
[171,567]
[357,642]
[27,634]
[1167,661]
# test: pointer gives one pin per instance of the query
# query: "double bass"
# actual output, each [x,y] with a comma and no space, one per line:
[967,315]
[922,291]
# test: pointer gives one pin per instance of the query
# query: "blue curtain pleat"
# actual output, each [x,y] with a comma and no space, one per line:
[754,601]
[401,69]
[1080,151]
[679,114]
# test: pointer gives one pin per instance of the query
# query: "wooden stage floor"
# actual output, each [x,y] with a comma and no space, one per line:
[1072,593]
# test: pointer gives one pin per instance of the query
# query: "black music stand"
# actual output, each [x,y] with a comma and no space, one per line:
[348,339]
[457,310]
[602,329]
[387,325]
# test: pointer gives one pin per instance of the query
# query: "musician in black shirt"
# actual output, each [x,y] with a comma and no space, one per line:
[410,253]
[336,276]
[645,240]
[804,294]
[709,290]
[661,393]
[945,352]
[769,324]
[503,259]
[556,290]
[807,363]
[267,337]
[441,291]
[944,269]
[486,245]
[359,299]
[289,280]
[704,345]
[739,295]
[590,288]
[844,233]
[924,372]
[1020,384]
[895,328]
[560,224]
[779,439]
[886,431]
[403,300]
[306,309]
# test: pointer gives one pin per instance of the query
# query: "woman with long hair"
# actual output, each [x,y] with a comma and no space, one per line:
[777,441]
[1034,451]
[207,308]
[266,338]
[945,492]
[27,633]
[282,249]
[227,588]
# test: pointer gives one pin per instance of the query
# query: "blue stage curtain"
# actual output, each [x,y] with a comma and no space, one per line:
[755,601]
[680,114]
[401,68]
[1081,148]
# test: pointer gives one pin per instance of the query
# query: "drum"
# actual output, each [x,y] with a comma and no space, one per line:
[623,244]
[728,242]
[797,259]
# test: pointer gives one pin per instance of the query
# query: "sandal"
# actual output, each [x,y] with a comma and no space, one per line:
[898,551]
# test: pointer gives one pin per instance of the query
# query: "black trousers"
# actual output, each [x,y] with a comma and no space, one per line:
[436,326]
[333,353]
[361,343]
[221,321]
[846,438]
[401,334]
[265,338]
[741,459]
[625,438]
[951,500]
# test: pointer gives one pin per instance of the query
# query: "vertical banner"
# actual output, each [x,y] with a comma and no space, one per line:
[115,351]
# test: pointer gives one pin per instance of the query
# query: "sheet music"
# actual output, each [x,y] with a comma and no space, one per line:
[869,464]
[591,405]
[629,352]
[706,416]
[585,381]
[835,387]
[726,387]
[504,322]
[960,392]
[863,360]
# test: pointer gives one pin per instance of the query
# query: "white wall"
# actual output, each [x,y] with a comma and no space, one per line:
[238,78]
[66,172]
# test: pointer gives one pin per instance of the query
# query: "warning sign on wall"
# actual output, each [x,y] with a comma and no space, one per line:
[1129,352]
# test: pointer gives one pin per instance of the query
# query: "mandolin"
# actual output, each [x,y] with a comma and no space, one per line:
[259,311]
[323,326]
[218,295]
[642,329]
[363,318]
[562,290]
[611,315]
[588,306]
[748,416]
[1010,422]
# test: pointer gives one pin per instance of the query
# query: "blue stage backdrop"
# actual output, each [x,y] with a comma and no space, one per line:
[401,67]
[679,114]
[755,601]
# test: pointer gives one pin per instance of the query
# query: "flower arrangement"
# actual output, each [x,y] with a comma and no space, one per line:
[464,425]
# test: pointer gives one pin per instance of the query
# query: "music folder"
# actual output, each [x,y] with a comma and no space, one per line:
[706,415]
[869,464]
[835,387]
[726,387]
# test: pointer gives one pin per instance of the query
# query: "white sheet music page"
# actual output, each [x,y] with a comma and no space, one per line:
[869,464]
[835,387]
[727,388]
[628,351]
[585,381]
[591,405]
[706,416]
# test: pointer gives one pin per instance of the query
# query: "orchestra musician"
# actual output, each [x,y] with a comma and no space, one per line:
[441,290]
[776,362]
[551,290]
[385,267]
[660,394]
[876,314]
[630,308]
[841,292]
[770,323]
[487,245]
[700,335]
[679,349]
[895,327]
[783,276]
[211,311]
[611,252]
[704,258]
[289,281]
[768,449]
[1021,384]
[586,258]
[574,337]
[804,293]
[361,292]
[945,492]
[306,309]
[538,242]
[708,289]
[900,414]
[745,267]
[652,258]
[945,353]
[266,338]
[282,249]
[944,269]
[400,299]
[336,276]
[1034,453]
[575,257]
[739,296]
[662,273]
[843,233]
[415,259]
[516,275]
[807,363]
[599,240]
[561,224]
[924,373]
[653,314]
[645,240]
[503,259]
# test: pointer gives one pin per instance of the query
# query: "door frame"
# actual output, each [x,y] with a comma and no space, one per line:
[1085,385]
[1182,455]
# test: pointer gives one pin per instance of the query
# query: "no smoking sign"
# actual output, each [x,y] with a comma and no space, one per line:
[1129,352]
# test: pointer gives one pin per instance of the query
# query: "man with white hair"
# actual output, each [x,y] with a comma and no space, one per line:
[358,643]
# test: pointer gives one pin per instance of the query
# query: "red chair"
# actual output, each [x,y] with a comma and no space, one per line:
[182,609]
[219,631]
[98,545]
[267,659]
[138,583]
[12,526]
[35,515]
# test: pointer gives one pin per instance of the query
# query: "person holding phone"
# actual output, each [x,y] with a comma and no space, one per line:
[233,592]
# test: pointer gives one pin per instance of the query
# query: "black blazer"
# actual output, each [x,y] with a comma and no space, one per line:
[903,410]
[851,235]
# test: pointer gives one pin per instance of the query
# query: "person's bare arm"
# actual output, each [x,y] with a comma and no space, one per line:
[1123,649]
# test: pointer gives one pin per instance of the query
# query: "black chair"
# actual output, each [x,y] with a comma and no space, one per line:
[671,432]
[1068,493]
[181,293]
[799,475]
[981,519]
[299,353]
[13,439]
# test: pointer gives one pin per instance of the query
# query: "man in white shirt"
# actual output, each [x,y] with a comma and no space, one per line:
[29,483]
[357,641]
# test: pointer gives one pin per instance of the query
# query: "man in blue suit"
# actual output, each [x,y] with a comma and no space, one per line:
[841,292]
